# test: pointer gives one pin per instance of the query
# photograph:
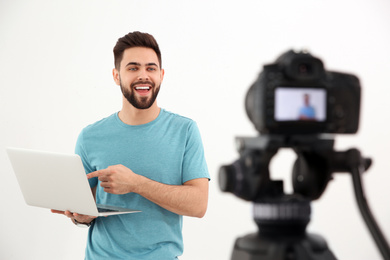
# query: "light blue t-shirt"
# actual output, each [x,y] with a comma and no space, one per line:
[308,112]
[168,150]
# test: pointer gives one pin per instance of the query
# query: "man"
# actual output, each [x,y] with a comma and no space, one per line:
[145,158]
[307,112]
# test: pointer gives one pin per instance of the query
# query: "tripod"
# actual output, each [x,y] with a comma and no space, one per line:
[281,218]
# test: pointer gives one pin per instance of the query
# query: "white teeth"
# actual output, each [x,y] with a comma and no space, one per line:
[142,88]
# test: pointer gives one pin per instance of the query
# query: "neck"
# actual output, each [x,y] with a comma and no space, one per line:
[134,116]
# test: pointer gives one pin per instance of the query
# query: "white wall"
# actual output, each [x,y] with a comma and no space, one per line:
[55,78]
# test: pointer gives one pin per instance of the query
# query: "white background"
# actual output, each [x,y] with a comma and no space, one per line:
[55,78]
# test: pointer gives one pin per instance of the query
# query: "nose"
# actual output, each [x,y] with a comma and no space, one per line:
[143,75]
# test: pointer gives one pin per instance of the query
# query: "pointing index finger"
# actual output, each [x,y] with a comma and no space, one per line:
[94,174]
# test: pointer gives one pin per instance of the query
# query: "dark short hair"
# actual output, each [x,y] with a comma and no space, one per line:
[135,39]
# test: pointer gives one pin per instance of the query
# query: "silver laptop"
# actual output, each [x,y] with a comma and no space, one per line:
[57,181]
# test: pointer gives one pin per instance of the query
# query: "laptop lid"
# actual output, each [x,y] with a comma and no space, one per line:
[56,181]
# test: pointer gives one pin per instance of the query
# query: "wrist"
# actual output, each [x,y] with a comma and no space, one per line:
[82,224]
[138,184]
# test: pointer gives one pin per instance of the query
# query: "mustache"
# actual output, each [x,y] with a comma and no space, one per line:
[142,82]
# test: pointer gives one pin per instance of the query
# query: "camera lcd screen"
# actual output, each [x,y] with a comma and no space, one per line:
[300,104]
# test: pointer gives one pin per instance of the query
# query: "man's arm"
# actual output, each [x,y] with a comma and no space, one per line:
[189,199]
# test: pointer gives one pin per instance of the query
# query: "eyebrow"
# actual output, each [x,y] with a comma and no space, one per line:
[139,64]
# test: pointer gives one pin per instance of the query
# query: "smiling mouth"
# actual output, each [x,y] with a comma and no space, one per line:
[142,87]
[142,90]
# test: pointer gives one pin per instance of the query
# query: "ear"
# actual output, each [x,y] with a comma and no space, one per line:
[115,75]
[162,72]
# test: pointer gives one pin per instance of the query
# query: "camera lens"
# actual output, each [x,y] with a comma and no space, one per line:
[226,178]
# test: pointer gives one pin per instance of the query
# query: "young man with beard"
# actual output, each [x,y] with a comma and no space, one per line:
[142,157]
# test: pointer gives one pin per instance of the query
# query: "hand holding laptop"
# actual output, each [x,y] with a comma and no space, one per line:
[79,218]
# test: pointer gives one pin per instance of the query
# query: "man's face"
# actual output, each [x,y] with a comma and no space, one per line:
[139,76]
[307,99]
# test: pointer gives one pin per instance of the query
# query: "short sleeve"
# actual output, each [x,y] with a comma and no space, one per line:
[194,162]
[80,150]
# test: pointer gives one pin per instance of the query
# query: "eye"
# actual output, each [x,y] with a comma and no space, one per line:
[151,69]
[133,68]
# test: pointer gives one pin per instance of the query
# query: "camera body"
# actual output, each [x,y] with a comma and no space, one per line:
[296,95]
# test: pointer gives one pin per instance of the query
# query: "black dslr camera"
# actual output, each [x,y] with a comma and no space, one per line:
[296,95]
[295,103]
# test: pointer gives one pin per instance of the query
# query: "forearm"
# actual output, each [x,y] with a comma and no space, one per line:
[189,199]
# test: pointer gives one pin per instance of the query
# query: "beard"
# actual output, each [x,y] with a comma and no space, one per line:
[140,102]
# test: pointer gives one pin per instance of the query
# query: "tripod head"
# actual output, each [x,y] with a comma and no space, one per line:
[249,177]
